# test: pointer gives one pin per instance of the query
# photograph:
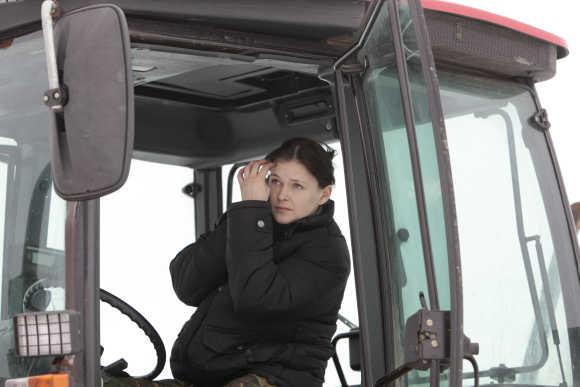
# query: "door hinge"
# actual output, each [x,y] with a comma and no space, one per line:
[355,68]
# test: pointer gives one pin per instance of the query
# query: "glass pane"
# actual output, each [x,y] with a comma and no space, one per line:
[32,260]
[516,252]
[427,154]
[383,95]
[4,186]
[55,237]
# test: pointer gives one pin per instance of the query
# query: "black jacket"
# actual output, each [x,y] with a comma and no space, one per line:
[267,294]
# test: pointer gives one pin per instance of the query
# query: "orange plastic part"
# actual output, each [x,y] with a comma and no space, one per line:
[52,380]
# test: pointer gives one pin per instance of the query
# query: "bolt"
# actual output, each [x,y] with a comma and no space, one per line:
[403,234]
[45,98]
[434,343]
[56,95]
[429,322]
[329,126]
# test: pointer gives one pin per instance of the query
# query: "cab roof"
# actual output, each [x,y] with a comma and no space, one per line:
[306,19]
[477,14]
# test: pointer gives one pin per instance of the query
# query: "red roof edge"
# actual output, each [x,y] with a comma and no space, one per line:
[474,13]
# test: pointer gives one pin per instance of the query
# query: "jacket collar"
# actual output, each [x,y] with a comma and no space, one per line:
[321,217]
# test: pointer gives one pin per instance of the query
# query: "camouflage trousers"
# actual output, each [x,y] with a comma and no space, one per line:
[250,380]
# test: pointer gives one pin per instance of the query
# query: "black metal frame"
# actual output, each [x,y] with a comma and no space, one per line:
[208,201]
[367,245]
[573,334]
[9,228]
[82,278]
[231,175]
[560,181]
[367,259]
[437,119]
[413,152]
[373,162]
[378,194]
[335,359]
[448,196]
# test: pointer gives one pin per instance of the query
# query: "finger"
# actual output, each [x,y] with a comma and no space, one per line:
[247,170]
[241,175]
[262,163]
[255,168]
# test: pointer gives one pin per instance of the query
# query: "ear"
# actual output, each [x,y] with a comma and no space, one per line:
[326,191]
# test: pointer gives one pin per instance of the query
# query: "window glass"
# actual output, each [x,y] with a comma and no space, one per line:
[405,240]
[3,187]
[57,217]
[143,226]
[32,271]
[516,255]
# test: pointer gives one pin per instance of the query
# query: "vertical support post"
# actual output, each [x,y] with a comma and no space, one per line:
[82,287]
[209,201]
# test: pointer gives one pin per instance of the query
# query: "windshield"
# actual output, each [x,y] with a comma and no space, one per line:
[31,215]
[520,279]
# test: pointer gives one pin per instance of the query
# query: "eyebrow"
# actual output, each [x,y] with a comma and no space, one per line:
[296,180]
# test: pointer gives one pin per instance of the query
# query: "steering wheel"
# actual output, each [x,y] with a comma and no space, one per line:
[37,298]
[145,326]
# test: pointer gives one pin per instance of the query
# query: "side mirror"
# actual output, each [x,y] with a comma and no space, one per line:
[576,213]
[93,126]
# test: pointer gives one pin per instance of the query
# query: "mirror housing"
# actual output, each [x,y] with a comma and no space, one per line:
[92,136]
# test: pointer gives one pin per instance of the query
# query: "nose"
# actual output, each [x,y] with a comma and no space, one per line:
[282,193]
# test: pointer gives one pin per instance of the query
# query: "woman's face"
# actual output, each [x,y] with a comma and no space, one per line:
[294,192]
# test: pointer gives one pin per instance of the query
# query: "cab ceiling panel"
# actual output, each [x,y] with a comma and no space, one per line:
[179,133]
[227,87]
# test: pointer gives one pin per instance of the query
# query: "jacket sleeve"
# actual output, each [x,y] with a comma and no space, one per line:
[261,287]
[200,267]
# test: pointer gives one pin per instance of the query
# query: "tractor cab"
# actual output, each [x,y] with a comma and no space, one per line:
[122,126]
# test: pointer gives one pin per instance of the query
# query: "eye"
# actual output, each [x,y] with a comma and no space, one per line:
[274,181]
[298,186]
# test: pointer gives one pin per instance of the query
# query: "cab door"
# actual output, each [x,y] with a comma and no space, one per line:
[394,136]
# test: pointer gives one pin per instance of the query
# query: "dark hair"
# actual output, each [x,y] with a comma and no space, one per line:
[316,158]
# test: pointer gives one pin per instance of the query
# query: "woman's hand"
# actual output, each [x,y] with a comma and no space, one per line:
[252,179]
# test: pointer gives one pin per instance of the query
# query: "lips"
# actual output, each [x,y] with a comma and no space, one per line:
[282,209]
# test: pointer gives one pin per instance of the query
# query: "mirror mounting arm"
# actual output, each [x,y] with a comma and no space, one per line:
[56,96]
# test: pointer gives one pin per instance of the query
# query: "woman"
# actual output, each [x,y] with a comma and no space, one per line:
[268,281]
